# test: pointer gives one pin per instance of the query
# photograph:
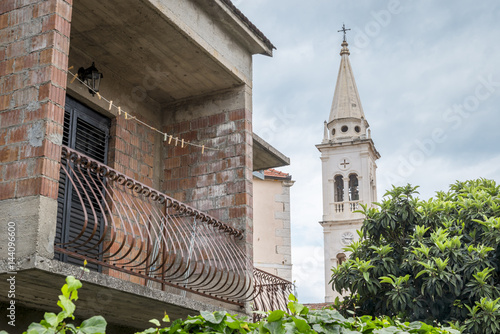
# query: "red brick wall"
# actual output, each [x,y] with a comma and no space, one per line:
[34,37]
[217,182]
[131,152]
[33,61]
[131,149]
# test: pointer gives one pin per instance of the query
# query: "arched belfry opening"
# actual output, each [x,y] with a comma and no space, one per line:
[339,188]
[341,258]
[353,187]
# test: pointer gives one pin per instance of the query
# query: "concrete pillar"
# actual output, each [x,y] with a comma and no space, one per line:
[33,64]
[346,189]
[363,188]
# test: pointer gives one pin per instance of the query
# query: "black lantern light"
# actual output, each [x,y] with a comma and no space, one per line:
[91,77]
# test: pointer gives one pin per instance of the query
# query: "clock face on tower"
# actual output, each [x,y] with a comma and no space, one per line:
[347,238]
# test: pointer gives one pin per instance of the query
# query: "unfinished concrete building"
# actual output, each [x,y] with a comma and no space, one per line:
[126,140]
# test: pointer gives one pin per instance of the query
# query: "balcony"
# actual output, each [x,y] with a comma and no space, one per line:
[125,229]
[346,207]
[271,292]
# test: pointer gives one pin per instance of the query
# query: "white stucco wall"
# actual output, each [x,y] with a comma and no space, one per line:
[272,233]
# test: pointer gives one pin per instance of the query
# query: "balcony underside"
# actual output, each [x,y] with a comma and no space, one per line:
[266,156]
[142,42]
[39,280]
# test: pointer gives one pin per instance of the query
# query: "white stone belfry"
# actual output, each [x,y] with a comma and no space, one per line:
[348,158]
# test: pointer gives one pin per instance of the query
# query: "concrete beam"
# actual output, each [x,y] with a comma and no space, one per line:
[211,33]
[266,156]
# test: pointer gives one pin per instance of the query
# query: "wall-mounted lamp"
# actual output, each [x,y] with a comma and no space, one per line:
[92,77]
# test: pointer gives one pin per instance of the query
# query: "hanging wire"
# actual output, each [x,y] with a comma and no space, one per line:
[130,117]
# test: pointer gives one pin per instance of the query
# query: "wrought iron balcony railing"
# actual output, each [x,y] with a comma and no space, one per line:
[271,292]
[129,230]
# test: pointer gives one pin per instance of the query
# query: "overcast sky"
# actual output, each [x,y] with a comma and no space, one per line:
[428,74]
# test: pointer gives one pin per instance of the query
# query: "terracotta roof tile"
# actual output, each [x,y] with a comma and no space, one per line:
[273,173]
[318,306]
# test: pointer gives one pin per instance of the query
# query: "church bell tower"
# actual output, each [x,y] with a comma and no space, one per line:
[348,157]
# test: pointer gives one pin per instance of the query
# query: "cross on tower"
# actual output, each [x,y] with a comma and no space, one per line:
[344,164]
[344,30]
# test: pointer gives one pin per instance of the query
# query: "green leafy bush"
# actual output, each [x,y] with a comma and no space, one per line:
[301,320]
[436,261]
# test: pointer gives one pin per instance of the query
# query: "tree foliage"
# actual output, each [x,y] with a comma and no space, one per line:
[433,261]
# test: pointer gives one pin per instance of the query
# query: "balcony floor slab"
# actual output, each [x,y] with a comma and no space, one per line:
[39,280]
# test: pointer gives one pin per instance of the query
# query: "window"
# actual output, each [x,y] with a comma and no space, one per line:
[353,188]
[339,188]
[344,128]
[86,132]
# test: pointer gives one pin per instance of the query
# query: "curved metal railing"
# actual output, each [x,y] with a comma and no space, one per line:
[271,292]
[126,226]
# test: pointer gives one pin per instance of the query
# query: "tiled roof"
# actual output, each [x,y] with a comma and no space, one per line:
[318,306]
[249,24]
[276,174]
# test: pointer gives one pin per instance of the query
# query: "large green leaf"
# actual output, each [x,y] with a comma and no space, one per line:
[302,325]
[67,305]
[275,327]
[275,315]
[215,318]
[73,285]
[36,328]
[94,325]
[51,319]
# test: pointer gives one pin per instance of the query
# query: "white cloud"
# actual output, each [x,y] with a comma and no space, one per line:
[308,273]
[410,74]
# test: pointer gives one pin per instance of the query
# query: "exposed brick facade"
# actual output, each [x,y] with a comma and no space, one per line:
[34,52]
[131,150]
[218,182]
[33,61]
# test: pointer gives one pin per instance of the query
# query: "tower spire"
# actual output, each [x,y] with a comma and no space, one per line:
[346,104]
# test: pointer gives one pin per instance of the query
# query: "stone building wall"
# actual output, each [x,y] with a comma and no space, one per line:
[272,225]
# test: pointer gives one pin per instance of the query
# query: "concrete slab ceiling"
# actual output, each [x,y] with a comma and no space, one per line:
[266,156]
[135,40]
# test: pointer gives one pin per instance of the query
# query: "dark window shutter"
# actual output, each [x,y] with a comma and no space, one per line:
[86,132]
